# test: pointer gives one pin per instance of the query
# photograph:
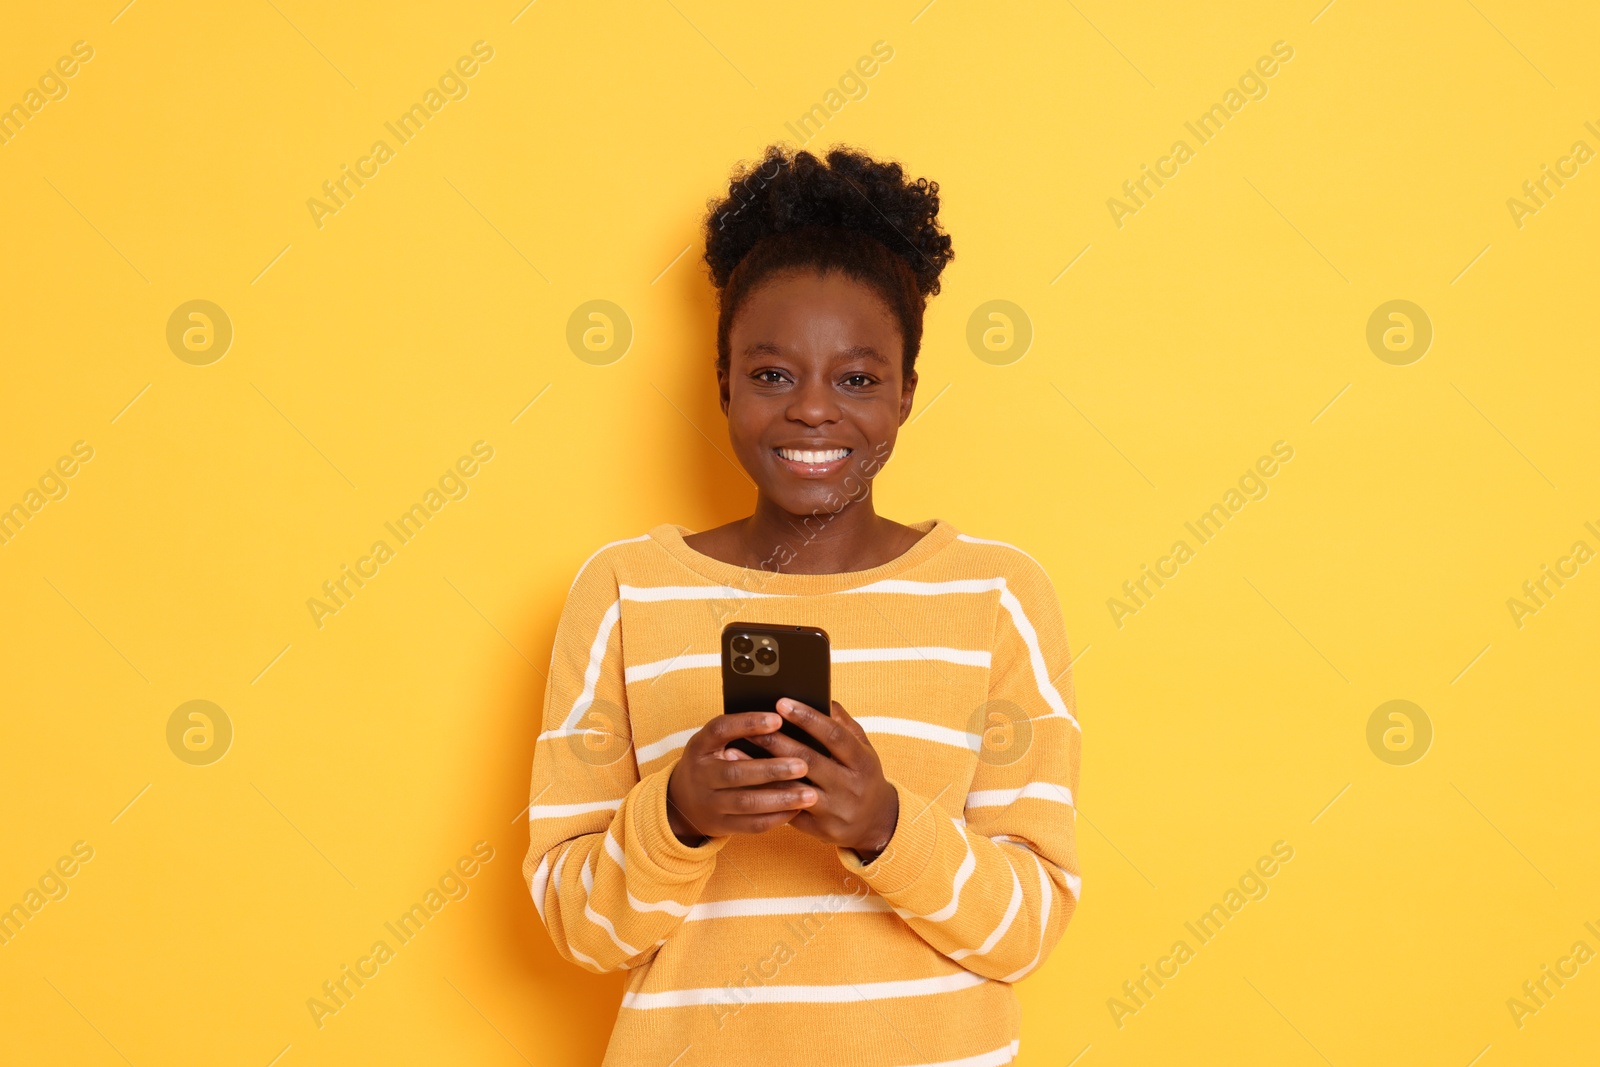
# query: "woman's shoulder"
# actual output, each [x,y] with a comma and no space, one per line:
[1027,595]
[988,557]
[624,561]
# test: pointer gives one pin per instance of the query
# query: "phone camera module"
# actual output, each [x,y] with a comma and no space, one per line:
[754,655]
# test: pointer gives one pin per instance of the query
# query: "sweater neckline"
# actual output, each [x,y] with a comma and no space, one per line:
[936,534]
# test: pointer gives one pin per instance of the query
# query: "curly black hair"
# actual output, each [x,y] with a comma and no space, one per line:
[851,213]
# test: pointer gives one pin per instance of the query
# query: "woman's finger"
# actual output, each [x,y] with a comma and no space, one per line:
[840,743]
[759,824]
[848,721]
[763,799]
[828,773]
[806,823]
[723,729]
[748,772]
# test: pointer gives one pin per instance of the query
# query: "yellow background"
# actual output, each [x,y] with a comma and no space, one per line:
[369,354]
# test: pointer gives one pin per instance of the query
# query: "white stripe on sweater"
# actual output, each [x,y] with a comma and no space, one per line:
[541,880]
[644,672]
[596,552]
[1041,674]
[666,746]
[1046,893]
[925,731]
[999,544]
[671,907]
[1074,882]
[562,811]
[997,1058]
[586,876]
[584,957]
[647,594]
[620,858]
[591,673]
[1005,924]
[849,993]
[964,657]
[538,898]
[991,798]
[838,902]
[614,850]
[963,873]
[873,724]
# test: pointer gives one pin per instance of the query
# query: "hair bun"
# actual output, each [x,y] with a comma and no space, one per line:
[850,191]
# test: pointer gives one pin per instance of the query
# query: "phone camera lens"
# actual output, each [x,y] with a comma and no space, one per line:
[766,657]
[742,644]
[742,664]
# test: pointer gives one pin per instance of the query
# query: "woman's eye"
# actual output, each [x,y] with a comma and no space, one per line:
[858,381]
[771,377]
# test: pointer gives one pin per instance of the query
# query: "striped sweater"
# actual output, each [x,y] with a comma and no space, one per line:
[777,948]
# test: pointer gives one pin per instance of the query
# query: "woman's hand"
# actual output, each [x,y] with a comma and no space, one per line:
[857,808]
[715,790]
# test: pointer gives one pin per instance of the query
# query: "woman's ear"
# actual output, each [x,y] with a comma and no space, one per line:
[722,388]
[908,392]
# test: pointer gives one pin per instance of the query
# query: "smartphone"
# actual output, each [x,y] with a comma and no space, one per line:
[761,664]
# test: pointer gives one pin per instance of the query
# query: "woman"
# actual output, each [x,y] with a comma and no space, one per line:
[876,911]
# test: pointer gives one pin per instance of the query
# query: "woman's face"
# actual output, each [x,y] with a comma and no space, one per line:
[813,391]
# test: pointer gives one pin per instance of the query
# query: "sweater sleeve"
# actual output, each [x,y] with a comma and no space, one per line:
[609,878]
[994,890]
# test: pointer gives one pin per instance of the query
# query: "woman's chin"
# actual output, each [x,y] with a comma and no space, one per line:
[814,499]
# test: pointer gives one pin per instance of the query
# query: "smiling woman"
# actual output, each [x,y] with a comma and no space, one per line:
[937,814]
[822,283]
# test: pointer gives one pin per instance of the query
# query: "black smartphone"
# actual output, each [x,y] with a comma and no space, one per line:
[761,664]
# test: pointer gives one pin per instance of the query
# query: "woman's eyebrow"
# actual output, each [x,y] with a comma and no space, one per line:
[772,348]
[864,352]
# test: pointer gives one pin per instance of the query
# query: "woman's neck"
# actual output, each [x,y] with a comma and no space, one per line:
[854,538]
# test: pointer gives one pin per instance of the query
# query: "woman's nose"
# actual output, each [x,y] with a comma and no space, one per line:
[813,403]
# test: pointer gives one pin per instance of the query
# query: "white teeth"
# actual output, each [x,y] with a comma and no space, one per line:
[795,455]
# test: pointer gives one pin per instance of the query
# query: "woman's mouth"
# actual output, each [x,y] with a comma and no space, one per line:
[813,463]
